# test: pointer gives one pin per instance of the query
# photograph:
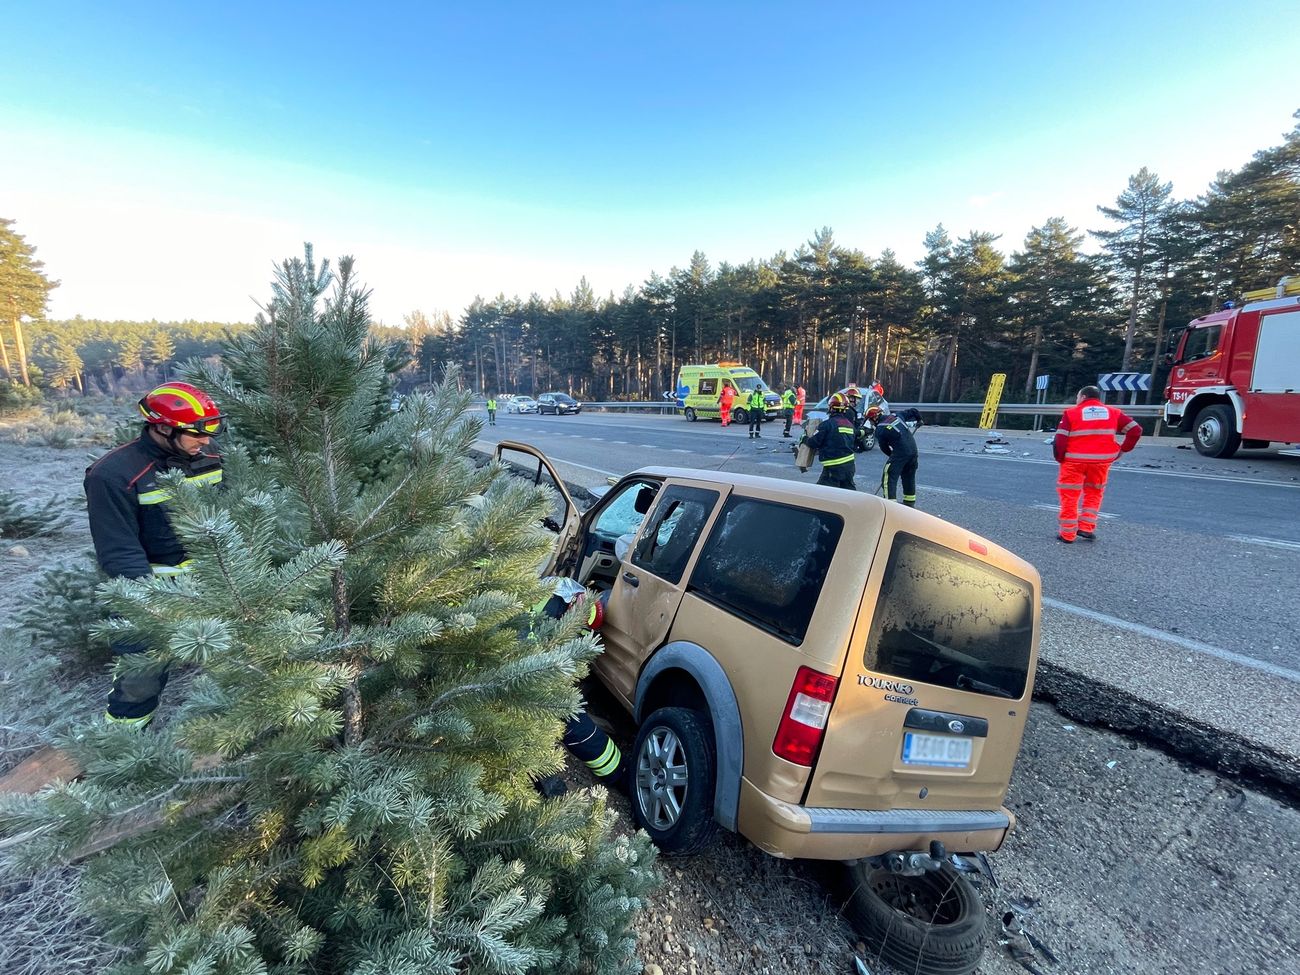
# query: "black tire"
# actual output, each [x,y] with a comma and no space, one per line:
[679,818]
[868,443]
[933,924]
[739,416]
[1215,432]
[689,413]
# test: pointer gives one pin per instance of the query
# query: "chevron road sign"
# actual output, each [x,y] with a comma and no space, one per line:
[1124,382]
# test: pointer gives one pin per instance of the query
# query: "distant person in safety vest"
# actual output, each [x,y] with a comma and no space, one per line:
[725,399]
[1085,447]
[788,401]
[128,515]
[756,406]
[492,409]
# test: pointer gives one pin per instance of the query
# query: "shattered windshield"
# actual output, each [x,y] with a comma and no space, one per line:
[948,619]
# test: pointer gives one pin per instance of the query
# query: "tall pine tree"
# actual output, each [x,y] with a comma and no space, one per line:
[347,785]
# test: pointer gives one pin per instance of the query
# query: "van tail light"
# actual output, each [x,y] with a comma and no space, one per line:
[803,723]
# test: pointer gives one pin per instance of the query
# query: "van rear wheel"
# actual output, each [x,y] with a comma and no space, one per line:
[932,924]
[674,776]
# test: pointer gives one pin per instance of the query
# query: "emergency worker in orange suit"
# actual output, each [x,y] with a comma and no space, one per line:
[724,403]
[1085,448]
[800,397]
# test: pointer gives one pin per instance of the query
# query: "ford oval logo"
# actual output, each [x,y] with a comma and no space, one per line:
[956,727]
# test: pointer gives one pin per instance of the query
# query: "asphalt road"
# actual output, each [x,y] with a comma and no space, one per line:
[1190,549]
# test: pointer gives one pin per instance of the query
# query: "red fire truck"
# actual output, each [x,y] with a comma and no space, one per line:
[1235,380]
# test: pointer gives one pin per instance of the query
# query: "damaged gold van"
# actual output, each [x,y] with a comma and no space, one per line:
[831,675]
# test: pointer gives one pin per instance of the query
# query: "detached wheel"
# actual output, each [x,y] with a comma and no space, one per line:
[674,779]
[689,413]
[933,924]
[1215,432]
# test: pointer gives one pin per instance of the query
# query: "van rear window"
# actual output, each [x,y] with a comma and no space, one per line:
[948,619]
[766,562]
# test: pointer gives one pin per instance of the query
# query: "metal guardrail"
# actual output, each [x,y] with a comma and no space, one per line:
[1138,412]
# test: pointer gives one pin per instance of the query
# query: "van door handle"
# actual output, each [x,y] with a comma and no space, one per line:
[631,580]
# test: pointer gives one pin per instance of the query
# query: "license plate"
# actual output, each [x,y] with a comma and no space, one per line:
[938,750]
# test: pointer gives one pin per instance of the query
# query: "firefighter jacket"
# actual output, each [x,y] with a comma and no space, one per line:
[757,401]
[128,515]
[834,440]
[1087,433]
[895,439]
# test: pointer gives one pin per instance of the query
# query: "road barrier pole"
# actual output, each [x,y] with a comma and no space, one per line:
[989,418]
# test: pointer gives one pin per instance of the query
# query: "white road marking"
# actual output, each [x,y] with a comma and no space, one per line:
[624,442]
[931,489]
[1052,507]
[1272,542]
[1195,645]
[678,450]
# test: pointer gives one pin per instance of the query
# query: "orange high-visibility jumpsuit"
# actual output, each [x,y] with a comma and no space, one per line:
[724,403]
[1085,448]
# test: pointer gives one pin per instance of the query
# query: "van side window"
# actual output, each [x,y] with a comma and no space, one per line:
[765,562]
[1202,343]
[708,387]
[666,544]
[946,618]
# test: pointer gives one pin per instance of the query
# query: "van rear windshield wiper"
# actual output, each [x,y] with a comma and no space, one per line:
[968,683]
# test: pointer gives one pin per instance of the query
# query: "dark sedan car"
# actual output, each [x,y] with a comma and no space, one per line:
[558,403]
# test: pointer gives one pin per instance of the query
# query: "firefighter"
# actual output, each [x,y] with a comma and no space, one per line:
[1085,447]
[725,399]
[492,409]
[756,405]
[128,516]
[834,442]
[788,401]
[800,397]
[582,737]
[897,443]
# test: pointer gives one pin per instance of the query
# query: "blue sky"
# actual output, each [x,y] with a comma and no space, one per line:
[163,156]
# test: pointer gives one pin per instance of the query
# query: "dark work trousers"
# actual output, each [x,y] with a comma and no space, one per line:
[492,418]
[789,418]
[900,467]
[135,695]
[839,475]
[755,422]
[595,749]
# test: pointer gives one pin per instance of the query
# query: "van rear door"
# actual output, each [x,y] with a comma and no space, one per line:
[930,707]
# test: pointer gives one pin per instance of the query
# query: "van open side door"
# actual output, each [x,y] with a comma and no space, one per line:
[526,461]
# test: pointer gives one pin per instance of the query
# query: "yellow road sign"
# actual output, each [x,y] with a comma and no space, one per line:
[991,401]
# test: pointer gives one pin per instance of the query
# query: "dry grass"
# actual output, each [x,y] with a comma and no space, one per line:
[44,931]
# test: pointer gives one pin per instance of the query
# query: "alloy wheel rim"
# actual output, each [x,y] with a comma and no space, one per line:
[662,778]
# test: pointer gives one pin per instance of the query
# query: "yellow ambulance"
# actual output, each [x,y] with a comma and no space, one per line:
[699,388]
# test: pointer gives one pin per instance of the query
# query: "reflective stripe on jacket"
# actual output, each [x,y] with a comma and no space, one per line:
[833,441]
[1087,433]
